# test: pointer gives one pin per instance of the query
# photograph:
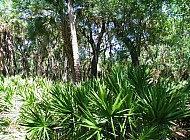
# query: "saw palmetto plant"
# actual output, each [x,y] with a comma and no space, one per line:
[122,105]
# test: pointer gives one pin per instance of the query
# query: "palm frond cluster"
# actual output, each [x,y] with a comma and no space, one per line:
[124,104]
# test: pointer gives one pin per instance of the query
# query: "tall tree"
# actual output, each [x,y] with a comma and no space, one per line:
[76,61]
[135,23]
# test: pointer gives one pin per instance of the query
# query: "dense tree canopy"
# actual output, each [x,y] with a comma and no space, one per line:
[37,36]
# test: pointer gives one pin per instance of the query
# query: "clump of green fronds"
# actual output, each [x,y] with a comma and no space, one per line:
[124,104]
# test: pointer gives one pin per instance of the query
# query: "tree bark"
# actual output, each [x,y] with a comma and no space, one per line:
[94,64]
[134,51]
[134,55]
[76,61]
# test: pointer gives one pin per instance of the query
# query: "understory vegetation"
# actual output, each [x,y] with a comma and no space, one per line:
[124,104]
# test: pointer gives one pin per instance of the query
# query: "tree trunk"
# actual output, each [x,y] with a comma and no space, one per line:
[76,63]
[94,64]
[134,55]
[134,51]
[96,48]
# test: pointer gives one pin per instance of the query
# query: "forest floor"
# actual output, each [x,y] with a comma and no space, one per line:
[9,126]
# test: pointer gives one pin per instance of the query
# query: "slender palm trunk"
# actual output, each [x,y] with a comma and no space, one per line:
[76,63]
